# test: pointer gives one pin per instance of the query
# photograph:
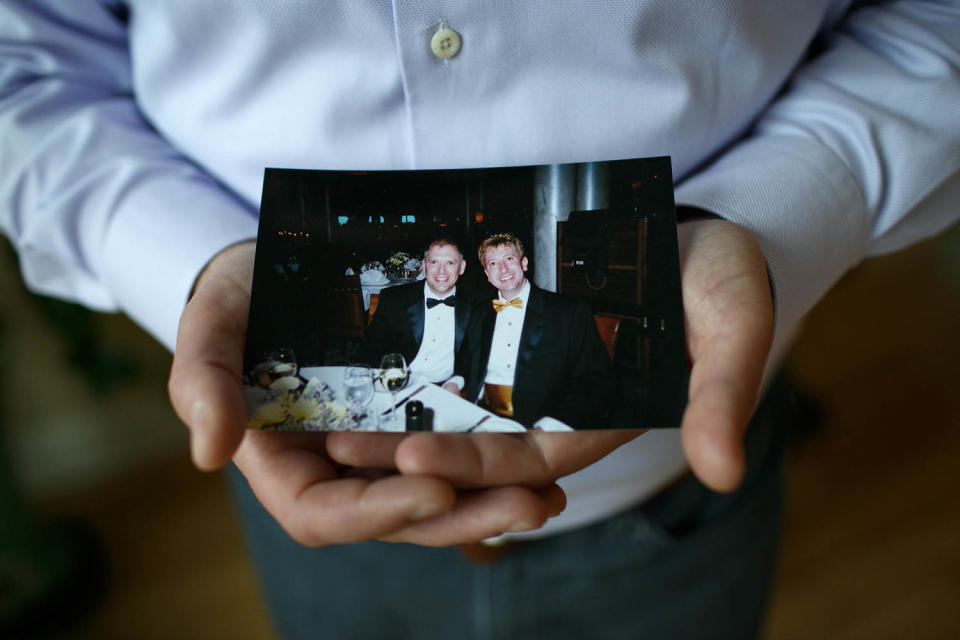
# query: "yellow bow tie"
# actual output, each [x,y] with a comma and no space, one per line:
[500,305]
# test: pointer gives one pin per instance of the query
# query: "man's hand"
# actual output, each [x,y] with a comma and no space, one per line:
[479,460]
[452,388]
[207,367]
[317,500]
[729,323]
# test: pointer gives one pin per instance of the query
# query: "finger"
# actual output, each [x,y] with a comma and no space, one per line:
[300,488]
[484,514]
[364,449]
[723,393]
[367,473]
[555,499]
[533,459]
[729,315]
[205,379]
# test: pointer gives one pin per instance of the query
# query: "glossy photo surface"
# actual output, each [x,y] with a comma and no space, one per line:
[469,300]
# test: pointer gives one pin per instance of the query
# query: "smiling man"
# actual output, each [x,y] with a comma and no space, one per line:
[533,355]
[424,321]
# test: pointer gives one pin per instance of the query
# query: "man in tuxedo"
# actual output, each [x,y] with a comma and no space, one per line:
[424,321]
[532,355]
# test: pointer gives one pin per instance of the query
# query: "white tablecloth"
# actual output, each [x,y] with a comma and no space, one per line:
[373,282]
[450,411]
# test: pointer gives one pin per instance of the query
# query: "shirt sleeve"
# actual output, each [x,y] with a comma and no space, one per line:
[100,208]
[858,156]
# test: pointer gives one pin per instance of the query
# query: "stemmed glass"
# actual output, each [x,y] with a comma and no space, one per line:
[358,389]
[395,376]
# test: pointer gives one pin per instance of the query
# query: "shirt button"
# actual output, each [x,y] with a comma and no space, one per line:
[445,43]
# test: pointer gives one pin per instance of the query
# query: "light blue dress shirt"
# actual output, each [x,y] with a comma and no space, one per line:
[134,135]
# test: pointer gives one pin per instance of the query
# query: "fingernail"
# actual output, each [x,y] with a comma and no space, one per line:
[199,430]
[426,510]
[517,527]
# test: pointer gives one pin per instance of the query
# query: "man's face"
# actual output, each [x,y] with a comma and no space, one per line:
[505,269]
[442,267]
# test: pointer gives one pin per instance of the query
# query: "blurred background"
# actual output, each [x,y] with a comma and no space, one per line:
[871,524]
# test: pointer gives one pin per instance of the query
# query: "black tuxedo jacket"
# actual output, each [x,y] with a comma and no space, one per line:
[562,370]
[397,324]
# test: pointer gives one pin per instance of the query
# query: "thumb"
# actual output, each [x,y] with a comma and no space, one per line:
[205,379]
[729,309]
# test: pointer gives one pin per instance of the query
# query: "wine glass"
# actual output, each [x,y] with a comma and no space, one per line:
[358,390]
[395,376]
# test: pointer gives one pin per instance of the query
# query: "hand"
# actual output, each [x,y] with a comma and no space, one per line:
[315,499]
[452,388]
[729,325]
[479,461]
[729,322]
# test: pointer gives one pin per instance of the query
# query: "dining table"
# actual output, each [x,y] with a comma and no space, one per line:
[446,411]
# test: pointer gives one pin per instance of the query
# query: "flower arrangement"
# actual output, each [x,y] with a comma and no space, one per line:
[401,264]
[289,405]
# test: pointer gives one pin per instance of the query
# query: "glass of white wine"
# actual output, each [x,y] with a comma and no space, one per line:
[394,376]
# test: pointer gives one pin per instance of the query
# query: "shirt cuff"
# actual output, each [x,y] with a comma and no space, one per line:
[160,238]
[547,423]
[803,206]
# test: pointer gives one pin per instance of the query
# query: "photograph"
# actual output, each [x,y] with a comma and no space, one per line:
[469,300]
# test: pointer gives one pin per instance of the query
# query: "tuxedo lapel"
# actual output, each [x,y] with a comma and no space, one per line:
[486,339]
[461,314]
[533,324]
[415,314]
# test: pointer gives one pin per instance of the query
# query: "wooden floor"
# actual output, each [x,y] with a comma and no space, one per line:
[872,530]
[872,542]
